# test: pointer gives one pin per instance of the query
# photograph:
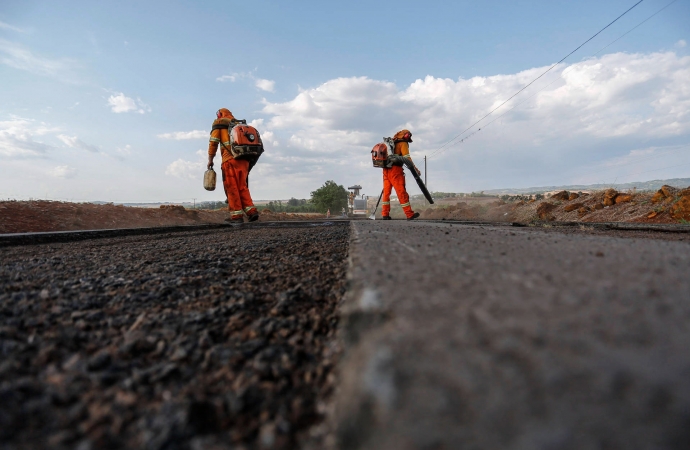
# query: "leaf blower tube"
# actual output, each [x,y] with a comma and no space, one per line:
[408,163]
[383,156]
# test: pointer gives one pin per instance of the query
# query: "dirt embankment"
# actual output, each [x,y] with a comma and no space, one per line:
[667,205]
[34,216]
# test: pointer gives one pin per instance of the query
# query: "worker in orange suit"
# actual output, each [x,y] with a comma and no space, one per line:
[235,171]
[394,177]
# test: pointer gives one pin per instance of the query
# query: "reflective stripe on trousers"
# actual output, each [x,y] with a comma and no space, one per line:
[235,184]
[394,177]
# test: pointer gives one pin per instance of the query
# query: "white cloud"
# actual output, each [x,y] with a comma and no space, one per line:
[19,57]
[268,137]
[185,169]
[265,85]
[120,103]
[7,26]
[231,78]
[681,43]
[75,142]
[593,111]
[64,172]
[126,150]
[260,83]
[18,138]
[182,135]
[188,169]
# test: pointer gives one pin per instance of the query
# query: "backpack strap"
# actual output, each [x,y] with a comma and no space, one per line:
[219,126]
[227,126]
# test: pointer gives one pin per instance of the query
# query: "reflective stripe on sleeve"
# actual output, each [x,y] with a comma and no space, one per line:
[214,140]
[227,144]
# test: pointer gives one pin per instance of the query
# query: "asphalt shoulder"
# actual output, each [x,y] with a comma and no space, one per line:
[485,336]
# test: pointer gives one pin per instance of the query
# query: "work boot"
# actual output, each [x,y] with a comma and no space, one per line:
[386,218]
[231,220]
[413,216]
[253,217]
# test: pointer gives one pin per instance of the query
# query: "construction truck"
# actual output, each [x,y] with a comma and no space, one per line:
[357,205]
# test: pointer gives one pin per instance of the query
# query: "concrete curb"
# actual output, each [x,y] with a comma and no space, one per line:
[476,355]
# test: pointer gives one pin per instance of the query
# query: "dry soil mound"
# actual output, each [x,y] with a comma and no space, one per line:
[667,205]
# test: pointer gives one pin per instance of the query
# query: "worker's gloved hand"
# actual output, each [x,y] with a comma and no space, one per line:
[418,171]
[209,166]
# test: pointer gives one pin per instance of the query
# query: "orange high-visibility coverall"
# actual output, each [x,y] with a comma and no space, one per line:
[234,171]
[395,178]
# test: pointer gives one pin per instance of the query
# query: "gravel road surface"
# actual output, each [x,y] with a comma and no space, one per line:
[204,339]
[495,337]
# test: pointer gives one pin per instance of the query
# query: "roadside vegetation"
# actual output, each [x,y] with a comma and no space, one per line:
[291,206]
[329,196]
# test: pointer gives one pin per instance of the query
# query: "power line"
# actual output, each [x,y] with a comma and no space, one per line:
[544,73]
[575,65]
[437,152]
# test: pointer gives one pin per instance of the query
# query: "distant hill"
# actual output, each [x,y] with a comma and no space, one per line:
[652,185]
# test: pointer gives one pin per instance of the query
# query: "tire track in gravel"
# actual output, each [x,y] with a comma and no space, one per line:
[191,340]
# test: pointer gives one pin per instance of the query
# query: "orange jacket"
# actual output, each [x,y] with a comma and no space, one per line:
[402,148]
[221,136]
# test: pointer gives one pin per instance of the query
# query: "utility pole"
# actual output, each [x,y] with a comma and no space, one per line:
[194,204]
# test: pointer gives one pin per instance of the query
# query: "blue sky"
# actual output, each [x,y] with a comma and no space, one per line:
[113,100]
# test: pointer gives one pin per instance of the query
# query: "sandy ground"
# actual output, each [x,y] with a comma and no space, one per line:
[34,216]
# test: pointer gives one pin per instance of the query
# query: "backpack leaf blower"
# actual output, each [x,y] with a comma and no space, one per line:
[382,156]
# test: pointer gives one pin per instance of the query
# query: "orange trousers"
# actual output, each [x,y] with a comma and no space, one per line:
[240,201]
[395,178]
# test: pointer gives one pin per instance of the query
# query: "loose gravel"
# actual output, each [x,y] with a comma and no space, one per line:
[211,339]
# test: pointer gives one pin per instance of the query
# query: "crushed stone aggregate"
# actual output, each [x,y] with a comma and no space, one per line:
[212,339]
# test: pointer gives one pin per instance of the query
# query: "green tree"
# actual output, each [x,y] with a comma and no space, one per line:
[293,202]
[329,196]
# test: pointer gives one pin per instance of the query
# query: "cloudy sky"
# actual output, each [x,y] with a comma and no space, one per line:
[114,101]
